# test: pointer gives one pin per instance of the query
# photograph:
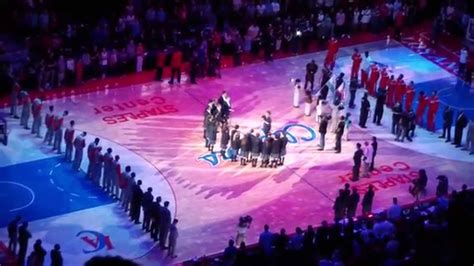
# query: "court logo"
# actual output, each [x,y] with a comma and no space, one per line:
[214,159]
[97,241]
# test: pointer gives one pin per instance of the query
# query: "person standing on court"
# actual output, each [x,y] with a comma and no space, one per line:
[358,154]
[364,111]
[296,93]
[409,95]
[447,123]
[98,166]
[311,69]
[147,202]
[323,127]
[56,256]
[375,146]
[433,106]
[23,237]
[339,133]
[172,239]
[352,202]
[26,109]
[160,64]
[267,123]
[368,154]
[364,73]
[58,131]
[14,99]
[461,123]
[420,109]
[115,177]
[79,144]
[379,106]
[36,112]
[13,234]
[176,59]
[48,121]
[90,155]
[356,61]
[165,222]
[68,140]
[367,201]
[127,186]
[108,168]
[136,202]
[155,219]
[463,54]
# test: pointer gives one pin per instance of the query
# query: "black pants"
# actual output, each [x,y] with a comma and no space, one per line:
[192,75]
[338,142]
[135,211]
[372,162]
[311,82]
[394,125]
[458,135]
[159,74]
[175,71]
[352,98]
[462,68]
[378,114]
[363,119]
[446,131]
[12,244]
[155,228]
[146,220]
[22,254]
[356,172]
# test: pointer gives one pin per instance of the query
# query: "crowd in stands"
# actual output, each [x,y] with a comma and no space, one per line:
[435,232]
[67,48]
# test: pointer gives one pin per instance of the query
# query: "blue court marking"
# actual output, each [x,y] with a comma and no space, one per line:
[45,188]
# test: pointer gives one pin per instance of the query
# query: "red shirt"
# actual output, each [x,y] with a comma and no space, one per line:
[48,120]
[161,59]
[433,104]
[58,123]
[140,50]
[374,74]
[356,60]
[384,79]
[333,47]
[36,109]
[69,135]
[176,59]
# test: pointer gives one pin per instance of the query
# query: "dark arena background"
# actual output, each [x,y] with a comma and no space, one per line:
[205,132]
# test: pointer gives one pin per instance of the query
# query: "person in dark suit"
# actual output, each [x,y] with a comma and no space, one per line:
[323,127]
[367,201]
[358,154]
[155,218]
[364,110]
[339,133]
[266,151]
[275,154]
[23,237]
[338,206]
[375,146]
[225,138]
[137,196]
[461,123]
[379,105]
[147,202]
[56,257]
[224,101]
[13,234]
[256,148]
[165,223]
[352,202]
[284,142]
[267,123]
[396,115]
[352,90]
[447,123]
[311,69]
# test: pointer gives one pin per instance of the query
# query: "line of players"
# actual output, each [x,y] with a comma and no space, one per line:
[104,169]
[248,147]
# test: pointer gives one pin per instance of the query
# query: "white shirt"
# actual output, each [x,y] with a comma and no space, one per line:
[368,152]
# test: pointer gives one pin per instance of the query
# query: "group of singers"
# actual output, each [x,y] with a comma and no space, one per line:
[248,147]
